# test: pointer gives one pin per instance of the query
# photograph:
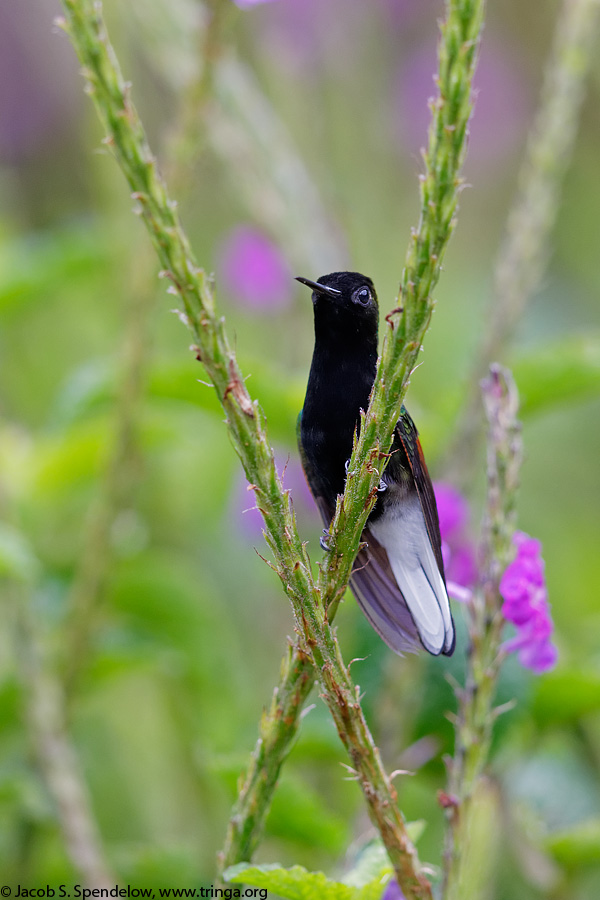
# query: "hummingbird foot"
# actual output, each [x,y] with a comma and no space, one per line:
[324,540]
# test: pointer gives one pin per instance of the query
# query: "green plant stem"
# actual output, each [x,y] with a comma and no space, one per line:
[439,192]
[439,189]
[56,754]
[224,108]
[278,728]
[439,195]
[266,169]
[245,420]
[476,715]
[117,484]
[523,255]
[188,138]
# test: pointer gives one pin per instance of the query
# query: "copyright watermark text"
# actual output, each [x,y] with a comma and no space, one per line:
[80,892]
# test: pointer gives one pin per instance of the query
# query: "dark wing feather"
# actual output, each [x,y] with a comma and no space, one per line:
[407,434]
[381,600]
[372,581]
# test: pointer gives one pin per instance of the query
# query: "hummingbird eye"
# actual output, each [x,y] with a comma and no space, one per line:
[362,296]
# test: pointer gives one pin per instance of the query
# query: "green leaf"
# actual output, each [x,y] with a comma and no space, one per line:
[298,883]
[279,395]
[42,262]
[372,864]
[299,813]
[87,388]
[567,694]
[69,458]
[92,386]
[576,846]
[415,829]
[565,370]
[17,559]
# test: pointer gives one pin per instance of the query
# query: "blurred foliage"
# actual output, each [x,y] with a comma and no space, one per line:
[364,881]
[189,625]
[298,884]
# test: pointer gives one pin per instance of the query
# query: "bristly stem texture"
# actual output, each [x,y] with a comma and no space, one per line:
[523,254]
[439,196]
[310,600]
[476,715]
[439,190]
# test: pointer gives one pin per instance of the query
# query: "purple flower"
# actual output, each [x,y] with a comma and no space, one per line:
[402,12]
[243,510]
[523,589]
[539,656]
[453,510]
[393,891]
[458,549]
[253,270]
[310,37]
[502,102]
[246,4]
[39,94]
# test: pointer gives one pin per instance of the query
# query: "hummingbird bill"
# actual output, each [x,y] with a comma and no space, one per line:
[398,576]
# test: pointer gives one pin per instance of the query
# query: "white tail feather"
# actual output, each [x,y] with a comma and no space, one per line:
[403,534]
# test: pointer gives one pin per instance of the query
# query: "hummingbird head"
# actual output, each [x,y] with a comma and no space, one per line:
[346,301]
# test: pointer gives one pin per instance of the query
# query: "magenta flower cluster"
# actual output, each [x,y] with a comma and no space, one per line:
[246,4]
[393,891]
[523,589]
[523,585]
[458,550]
[253,270]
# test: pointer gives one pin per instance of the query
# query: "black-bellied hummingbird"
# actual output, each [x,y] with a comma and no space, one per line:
[398,577]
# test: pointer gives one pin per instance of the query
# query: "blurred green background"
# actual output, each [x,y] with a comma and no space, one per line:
[124,533]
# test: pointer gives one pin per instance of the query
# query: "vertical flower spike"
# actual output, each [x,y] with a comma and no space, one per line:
[523,589]
[439,197]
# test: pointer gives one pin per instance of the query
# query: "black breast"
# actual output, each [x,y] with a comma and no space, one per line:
[337,391]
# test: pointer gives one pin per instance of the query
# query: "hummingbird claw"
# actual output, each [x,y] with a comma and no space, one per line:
[324,540]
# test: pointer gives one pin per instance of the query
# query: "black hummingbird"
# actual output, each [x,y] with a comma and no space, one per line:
[398,578]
